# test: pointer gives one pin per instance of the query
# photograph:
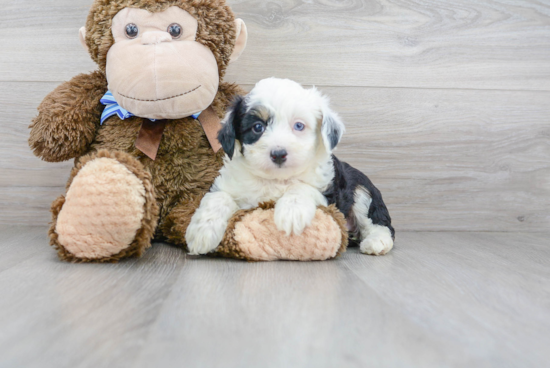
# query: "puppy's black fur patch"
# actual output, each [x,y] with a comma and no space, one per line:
[228,134]
[334,131]
[240,126]
[342,193]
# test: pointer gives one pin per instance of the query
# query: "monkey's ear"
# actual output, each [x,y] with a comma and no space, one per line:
[82,34]
[228,134]
[240,40]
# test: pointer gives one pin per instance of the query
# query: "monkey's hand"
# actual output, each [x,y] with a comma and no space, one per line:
[68,118]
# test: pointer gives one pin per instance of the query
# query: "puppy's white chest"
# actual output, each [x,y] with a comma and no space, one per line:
[262,191]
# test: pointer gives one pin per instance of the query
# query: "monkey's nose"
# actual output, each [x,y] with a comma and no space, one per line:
[155,37]
[279,156]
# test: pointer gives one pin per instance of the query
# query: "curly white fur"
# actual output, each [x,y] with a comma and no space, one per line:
[251,177]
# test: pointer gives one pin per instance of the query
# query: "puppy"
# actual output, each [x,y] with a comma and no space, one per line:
[278,142]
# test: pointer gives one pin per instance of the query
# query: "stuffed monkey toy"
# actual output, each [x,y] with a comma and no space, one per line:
[142,130]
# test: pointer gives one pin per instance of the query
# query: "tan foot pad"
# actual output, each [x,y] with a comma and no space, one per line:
[103,210]
[254,236]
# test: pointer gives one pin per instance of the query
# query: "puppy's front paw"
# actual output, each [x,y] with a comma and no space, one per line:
[378,242]
[203,237]
[293,216]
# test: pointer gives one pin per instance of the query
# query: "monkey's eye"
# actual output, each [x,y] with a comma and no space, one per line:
[132,30]
[299,126]
[258,128]
[175,30]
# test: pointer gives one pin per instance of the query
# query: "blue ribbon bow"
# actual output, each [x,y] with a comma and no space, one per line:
[112,107]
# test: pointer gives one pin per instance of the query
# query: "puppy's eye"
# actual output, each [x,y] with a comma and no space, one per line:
[132,30]
[258,128]
[175,30]
[299,126]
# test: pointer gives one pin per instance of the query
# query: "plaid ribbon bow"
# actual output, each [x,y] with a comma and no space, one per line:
[112,107]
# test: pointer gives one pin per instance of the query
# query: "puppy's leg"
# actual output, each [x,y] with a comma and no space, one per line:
[376,239]
[296,208]
[208,224]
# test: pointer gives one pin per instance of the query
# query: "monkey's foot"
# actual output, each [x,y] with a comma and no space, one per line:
[109,212]
[252,235]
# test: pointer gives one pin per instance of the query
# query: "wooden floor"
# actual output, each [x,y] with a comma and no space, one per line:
[438,300]
[446,107]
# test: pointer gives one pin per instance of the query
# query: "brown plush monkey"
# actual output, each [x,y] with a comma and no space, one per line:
[145,153]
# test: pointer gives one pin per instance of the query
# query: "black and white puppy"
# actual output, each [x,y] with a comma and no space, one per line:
[278,142]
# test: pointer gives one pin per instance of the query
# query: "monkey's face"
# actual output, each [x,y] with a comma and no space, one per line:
[156,69]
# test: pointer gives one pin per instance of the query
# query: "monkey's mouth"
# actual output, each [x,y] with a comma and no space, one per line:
[161,99]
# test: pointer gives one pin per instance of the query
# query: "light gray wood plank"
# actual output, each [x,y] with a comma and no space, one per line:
[19,166]
[19,243]
[27,184]
[459,44]
[445,44]
[55,314]
[439,299]
[27,205]
[488,292]
[39,37]
[444,159]
[233,314]
[452,160]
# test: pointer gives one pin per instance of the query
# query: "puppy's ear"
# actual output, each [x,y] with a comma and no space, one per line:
[231,123]
[332,126]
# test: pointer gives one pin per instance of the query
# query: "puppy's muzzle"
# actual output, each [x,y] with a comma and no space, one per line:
[279,156]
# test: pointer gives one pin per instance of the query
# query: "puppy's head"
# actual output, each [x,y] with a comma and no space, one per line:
[280,128]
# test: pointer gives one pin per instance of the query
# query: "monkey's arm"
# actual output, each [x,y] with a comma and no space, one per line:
[68,118]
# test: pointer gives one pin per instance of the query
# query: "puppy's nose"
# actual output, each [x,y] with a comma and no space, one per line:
[155,37]
[279,156]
